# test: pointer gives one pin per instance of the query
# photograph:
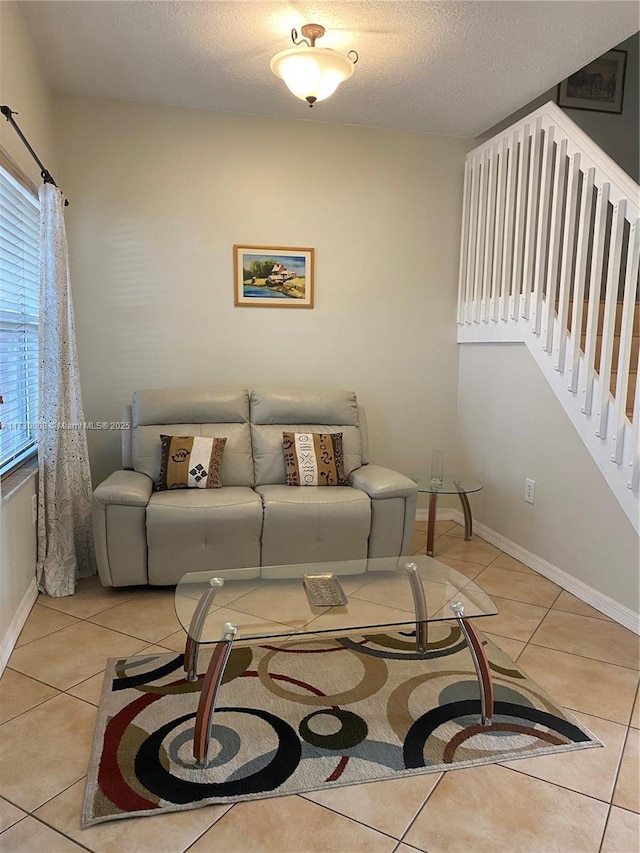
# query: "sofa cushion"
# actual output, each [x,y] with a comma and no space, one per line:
[314,524]
[190,462]
[197,530]
[190,405]
[268,458]
[314,406]
[208,412]
[274,411]
[313,459]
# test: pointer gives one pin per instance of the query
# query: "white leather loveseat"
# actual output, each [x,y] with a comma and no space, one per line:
[144,536]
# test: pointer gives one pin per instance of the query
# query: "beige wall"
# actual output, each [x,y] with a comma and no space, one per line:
[160,195]
[17,556]
[617,134]
[511,427]
[22,88]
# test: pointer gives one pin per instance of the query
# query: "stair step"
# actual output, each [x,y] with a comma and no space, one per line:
[635,348]
[631,390]
[618,322]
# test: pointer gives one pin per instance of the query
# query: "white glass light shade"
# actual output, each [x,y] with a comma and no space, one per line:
[312,72]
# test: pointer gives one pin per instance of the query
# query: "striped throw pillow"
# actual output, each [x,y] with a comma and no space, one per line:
[314,459]
[190,462]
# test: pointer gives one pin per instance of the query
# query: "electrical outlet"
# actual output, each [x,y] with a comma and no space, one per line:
[34,509]
[530,491]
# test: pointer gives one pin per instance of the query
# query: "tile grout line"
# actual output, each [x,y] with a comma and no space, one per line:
[32,813]
[38,704]
[583,657]
[347,817]
[421,809]
[83,618]
[617,777]
[615,783]
[610,802]
[204,832]
[558,784]
[63,834]
[595,716]
[400,841]
[613,788]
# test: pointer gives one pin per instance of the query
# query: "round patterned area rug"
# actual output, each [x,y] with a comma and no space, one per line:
[309,714]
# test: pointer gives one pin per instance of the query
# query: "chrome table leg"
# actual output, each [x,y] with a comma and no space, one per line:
[420,606]
[480,662]
[195,628]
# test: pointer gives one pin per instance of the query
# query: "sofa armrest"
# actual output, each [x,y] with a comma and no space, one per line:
[129,488]
[393,508]
[119,510]
[381,483]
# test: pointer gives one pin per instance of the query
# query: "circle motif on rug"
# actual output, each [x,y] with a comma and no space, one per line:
[383,646]
[353,730]
[159,780]
[374,676]
[516,718]
[228,739]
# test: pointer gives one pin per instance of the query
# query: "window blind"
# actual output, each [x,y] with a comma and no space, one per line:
[19,313]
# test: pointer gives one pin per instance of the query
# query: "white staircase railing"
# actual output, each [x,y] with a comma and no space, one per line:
[549,256]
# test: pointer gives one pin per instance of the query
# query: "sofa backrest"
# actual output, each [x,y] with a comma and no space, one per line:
[219,412]
[274,411]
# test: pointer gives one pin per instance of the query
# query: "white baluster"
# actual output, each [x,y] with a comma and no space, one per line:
[489,234]
[524,139]
[610,307]
[543,225]
[580,274]
[553,263]
[482,226]
[482,238]
[499,231]
[629,305]
[597,257]
[473,230]
[571,212]
[634,479]
[533,193]
[507,241]
[464,244]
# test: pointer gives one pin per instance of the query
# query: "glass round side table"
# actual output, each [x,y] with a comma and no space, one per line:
[449,485]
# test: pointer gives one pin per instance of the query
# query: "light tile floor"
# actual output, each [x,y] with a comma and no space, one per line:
[576,802]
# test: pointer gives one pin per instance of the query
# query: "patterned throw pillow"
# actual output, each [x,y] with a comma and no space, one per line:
[314,459]
[190,462]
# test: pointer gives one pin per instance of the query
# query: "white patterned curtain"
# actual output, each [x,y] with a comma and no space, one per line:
[65,540]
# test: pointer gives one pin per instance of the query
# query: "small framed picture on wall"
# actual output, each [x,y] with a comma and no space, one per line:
[598,86]
[273,276]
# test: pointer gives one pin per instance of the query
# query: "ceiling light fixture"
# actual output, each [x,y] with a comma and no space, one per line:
[312,73]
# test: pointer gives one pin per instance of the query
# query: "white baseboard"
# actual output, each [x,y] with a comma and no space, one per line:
[17,624]
[616,611]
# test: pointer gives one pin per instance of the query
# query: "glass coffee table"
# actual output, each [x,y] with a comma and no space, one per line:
[460,486]
[223,607]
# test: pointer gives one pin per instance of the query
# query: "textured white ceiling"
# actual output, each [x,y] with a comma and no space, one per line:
[438,67]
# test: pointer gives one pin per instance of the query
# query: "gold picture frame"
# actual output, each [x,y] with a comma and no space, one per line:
[273,276]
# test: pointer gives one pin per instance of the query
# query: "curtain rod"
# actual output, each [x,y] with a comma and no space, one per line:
[8,113]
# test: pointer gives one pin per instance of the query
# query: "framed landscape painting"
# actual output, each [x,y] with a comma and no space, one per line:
[598,86]
[273,276]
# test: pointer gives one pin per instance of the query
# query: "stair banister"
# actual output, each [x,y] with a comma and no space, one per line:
[550,232]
